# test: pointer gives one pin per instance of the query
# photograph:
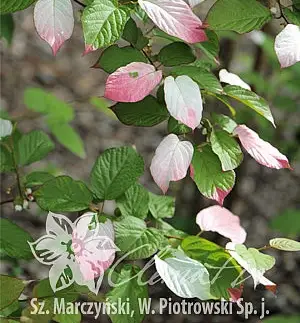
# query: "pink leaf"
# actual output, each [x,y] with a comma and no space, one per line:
[235,293]
[263,152]
[287,45]
[54,21]
[132,82]
[218,219]
[183,99]
[175,18]
[171,161]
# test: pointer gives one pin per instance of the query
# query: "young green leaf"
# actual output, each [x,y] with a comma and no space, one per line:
[33,147]
[177,53]
[285,244]
[134,238]
[206,80]
[11,289]
[208,175]
[223,269]
[7,6]
[115,171]
[68,137]
[178,128]
[250,99]
[134,35]
[134,202]
[227,149]
[7,28]
[103,22]
[63,194]
[146,113]
[161,206]
[224,122]
[127,285]
[239,16]
[14,240]
[115,57]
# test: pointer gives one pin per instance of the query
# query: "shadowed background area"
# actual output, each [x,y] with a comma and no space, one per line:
[266,200]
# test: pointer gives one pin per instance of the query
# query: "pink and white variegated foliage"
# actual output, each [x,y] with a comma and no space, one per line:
[54,21]
[132,82]
[171,161]
[262,151]
[175,18]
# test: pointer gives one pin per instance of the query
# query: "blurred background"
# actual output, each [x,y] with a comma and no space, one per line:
[267,201]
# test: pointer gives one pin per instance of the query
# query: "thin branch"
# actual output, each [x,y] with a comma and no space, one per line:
[6,201]
[80,3]
[281,12]
[149,58]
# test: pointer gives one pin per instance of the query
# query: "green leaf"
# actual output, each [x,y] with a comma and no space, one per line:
[102,105]
[283,318]
[33,147]
[250,99]
[292,17]
[115,171]
[205,79]
[133,237]
[68,137]
[237,15]
[103,22]
[288,222]
[161,206]
[14,240]
[224,99]
[6,160]
[11,289]
[63,194]
[9,310]
[285,244]
[134,202]
[175,126]
[209,177]
[7,27]
[224,122]
[127,285]
[177,53]
[211,47]
[67,318]
[296,5]
[134,35]
[146,113]
[7,6]
[227,149]
[46,103]
[37,178]
[223,269]
[114,57]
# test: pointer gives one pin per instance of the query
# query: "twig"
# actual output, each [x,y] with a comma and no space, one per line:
[80,3]
[149,58]
[281,12]
[6,201]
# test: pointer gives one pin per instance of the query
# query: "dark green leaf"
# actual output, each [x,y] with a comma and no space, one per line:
[237,15]
[37,178]
[224,122]
[115,171]
[227,149]
[208,175]
[161,206]
[33,147]
[134,35]
[133,237]
[68,137]
[250,99]
[11,289]
[146,113]
[127,285]
[206,80]
[134,202]
[177,53]
[14,240]
[223,269]
[175,126]
[7,27]
[114,57]
[63,194]
[7,6]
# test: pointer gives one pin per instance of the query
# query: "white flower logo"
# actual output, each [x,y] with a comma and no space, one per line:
[77,252]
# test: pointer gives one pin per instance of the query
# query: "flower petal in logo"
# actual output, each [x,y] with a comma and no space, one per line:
[77,252]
